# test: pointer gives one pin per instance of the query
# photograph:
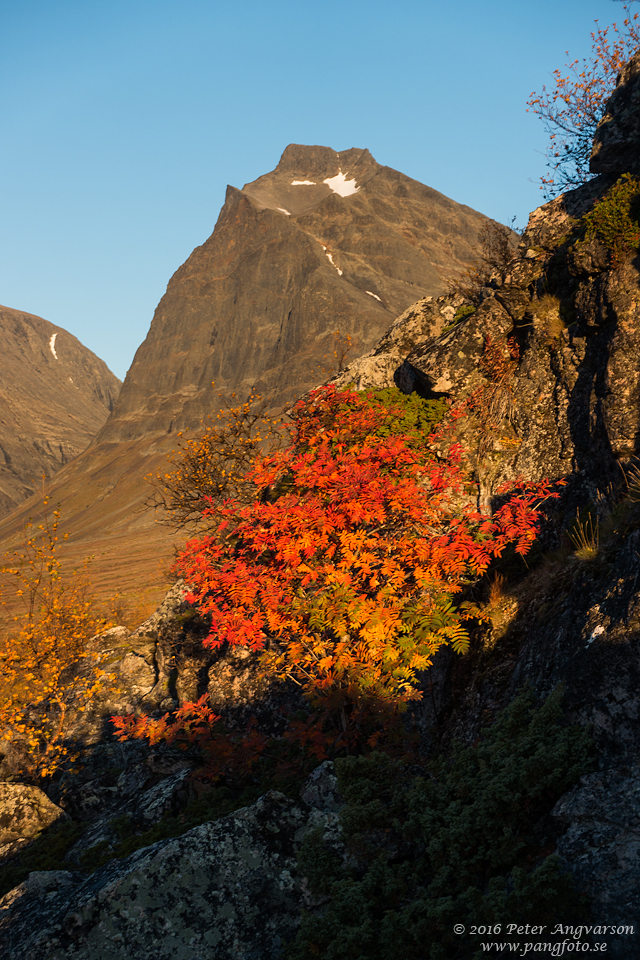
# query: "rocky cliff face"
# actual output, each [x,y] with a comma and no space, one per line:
[327,241]
[615,147]
[553,349]
[54,397]
[564,403]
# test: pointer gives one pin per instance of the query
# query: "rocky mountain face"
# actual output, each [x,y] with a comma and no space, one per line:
[327,241]
[54,397]
[544,364]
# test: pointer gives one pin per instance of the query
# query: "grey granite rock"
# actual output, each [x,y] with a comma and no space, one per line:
[601,848]
[226,889]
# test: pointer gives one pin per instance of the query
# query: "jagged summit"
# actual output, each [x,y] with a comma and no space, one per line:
[325,241]
[306,176]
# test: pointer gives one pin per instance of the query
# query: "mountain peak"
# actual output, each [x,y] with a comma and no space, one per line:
[319,162]
[307,175]
[327,241]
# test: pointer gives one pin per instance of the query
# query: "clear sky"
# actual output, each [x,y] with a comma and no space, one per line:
[123,121]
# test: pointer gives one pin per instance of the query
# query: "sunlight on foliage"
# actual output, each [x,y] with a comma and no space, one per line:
[585,536]
[572,109]
[615,219]
[49,617]
[214,465]
[352,554]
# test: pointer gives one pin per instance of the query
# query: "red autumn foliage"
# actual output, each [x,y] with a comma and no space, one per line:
[196,724]
[345,571]
[350,557]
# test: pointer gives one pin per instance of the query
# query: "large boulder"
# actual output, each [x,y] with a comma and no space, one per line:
[25,810]
[384,366]
[226,889]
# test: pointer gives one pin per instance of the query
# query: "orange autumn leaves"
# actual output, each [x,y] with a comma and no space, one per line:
[573,107]
[49,617]
[345,568]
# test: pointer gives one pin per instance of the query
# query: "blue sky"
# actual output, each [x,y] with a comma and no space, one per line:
[124,121]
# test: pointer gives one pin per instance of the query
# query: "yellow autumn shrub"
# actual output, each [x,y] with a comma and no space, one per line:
[49,615]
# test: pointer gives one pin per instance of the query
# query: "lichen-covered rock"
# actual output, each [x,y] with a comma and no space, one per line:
[601,848]
[25,810]
[321,789]
[131,800]
[571,403]
[616,145]
[226,889]
[450,363]
[384,366]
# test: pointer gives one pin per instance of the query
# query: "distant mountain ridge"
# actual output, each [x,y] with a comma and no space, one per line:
[55,394]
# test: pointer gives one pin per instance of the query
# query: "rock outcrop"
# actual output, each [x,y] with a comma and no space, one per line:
[384,365]
[570,405]
[229,889]
[25,810]
[54,397]
[616,145]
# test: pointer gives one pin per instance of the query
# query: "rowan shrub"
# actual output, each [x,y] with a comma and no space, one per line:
[50,615]
[353,572]
[346,569]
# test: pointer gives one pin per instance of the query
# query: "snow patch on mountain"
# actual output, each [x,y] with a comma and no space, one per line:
[340,185]
[330,259]
[303,183]
[52,344]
